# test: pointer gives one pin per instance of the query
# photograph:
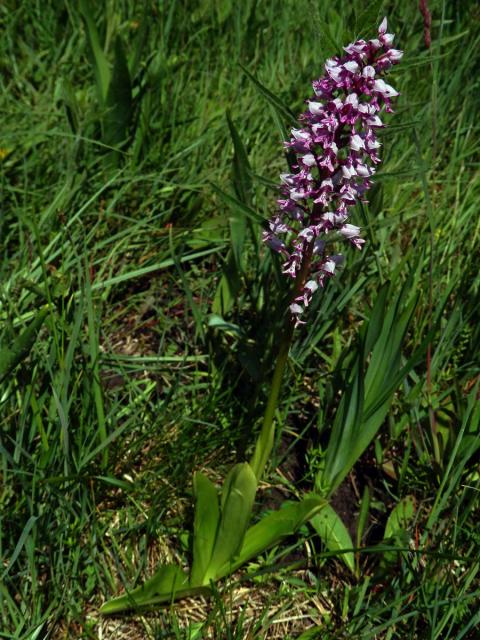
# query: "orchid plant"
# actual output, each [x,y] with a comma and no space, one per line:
[336,150]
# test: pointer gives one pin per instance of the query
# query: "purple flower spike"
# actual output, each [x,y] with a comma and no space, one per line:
[336,150]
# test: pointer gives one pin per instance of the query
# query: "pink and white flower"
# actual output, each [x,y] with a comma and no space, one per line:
[337,150]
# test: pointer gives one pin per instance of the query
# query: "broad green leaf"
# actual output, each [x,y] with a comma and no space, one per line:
[334,534]
[238,496]
[385,358]
[347,418]
[273,528]
[397,524]
[400,517]
[207,516]
[97,55]
[167,584]
[366,402]
[119,100]
[15,353]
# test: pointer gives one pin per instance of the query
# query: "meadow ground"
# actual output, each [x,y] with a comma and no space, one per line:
[139,316]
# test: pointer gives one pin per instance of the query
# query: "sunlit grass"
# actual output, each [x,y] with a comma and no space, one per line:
[128,390]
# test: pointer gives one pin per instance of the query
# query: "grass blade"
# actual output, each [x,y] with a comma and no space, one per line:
[12,356]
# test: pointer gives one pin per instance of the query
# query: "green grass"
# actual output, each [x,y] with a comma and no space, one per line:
[130,387]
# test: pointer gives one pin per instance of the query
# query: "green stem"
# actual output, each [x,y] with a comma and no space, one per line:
[264,444]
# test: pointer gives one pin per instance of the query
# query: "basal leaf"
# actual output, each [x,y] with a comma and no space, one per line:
[344,432]
[397,525]
[273,528]
[207,516]
[368,396]
[400,517]
[334,534]
[167,584]
[238,496]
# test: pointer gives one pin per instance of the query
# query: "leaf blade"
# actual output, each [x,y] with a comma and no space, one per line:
[169,582]
[238,496]
[207,516]
[97,55]
[275,526]
[334,534]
